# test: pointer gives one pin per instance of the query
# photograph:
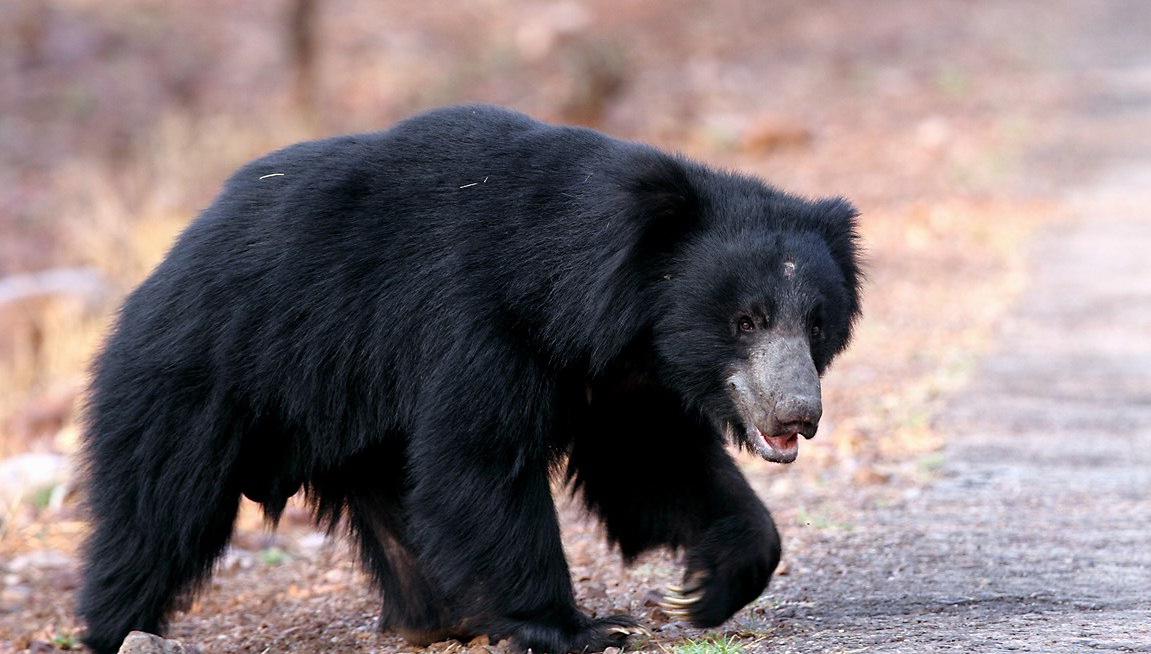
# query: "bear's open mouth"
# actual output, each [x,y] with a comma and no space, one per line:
[782,445]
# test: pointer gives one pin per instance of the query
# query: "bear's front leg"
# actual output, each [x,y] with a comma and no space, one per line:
[483,526]
[731,560]
[699,504]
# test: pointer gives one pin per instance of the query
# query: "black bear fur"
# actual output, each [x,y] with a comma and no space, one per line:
[418,328]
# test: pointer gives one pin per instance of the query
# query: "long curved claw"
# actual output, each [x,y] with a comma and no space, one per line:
[629,631]
[676,600]
[677,604]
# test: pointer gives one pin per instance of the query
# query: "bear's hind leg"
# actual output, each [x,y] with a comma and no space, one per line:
[370,488]
[411,604]
[158,524]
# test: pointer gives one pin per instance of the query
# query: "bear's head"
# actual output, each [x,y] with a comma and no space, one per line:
[758,294]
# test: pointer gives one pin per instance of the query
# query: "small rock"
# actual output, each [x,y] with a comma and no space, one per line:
[139,642]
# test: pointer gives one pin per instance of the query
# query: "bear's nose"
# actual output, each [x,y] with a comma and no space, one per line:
[799,413]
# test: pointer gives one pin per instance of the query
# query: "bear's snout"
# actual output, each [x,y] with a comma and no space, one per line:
[776,394]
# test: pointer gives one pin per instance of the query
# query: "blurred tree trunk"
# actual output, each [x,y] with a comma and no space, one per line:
[302,55]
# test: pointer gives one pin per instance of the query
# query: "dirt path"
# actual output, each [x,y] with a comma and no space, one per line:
[1036,537]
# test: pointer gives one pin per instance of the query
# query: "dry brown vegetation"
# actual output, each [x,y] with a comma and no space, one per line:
[118,120]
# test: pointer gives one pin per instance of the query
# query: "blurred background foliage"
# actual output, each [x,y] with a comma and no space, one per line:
[119,119]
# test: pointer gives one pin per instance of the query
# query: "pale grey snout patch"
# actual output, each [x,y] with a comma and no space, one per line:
[738,382]
[776,393]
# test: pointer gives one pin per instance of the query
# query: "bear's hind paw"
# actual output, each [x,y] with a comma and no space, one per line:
[595,636]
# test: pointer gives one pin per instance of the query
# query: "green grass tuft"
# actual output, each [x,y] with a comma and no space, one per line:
[724,644]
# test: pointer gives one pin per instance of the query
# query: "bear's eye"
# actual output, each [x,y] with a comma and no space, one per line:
[745,324]
[816,331]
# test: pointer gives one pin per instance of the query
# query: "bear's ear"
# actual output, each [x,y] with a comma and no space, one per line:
[664,203]
[836,220]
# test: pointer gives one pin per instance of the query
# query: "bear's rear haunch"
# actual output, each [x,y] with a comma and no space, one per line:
[416,327]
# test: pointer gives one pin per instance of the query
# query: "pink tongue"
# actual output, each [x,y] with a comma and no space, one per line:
[782,442]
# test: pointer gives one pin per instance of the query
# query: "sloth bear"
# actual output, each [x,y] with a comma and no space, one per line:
[420,327]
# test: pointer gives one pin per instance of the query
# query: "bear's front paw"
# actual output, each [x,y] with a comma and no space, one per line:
[726,570]
[678,600]
[592,636]
[709,600]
